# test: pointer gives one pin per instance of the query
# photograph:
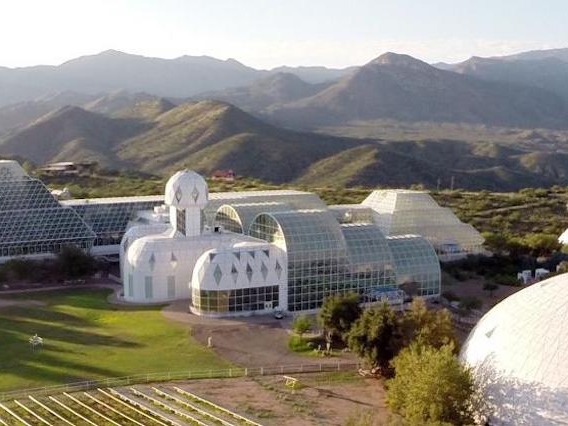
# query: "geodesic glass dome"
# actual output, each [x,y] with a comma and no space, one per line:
[519,355]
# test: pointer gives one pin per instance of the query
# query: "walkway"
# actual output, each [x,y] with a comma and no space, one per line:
[248,341]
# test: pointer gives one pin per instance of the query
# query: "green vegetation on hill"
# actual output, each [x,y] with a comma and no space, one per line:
[154,136]
[518,215]
[86,338]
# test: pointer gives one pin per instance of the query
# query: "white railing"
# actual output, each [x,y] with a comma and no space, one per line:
[180,375]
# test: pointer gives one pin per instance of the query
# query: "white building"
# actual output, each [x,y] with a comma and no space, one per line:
[222,272]
[519,355]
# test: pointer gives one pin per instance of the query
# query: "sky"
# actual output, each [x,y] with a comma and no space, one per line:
[270,33]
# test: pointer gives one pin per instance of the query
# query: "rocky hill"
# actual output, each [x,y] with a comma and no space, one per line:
[157,137]
[402,88]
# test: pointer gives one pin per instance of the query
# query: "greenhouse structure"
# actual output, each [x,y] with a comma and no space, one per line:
[33,223]
[401,212]
[235,253]
[262,251]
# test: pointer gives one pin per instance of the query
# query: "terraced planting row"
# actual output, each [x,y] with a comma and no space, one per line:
[142,406]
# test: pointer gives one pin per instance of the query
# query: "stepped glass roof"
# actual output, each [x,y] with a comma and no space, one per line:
[31,220]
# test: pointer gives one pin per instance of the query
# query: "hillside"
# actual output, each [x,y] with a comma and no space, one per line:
[71,134]
[157,137]
[402,88]
[273,90]
[208,135]
[549,73]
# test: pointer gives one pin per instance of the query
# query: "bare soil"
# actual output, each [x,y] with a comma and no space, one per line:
[319,399]
[257,341]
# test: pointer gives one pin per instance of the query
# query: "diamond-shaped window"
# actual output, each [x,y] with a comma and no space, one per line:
[217,274]
[264,271]
[195,194]
[234,273]
[249,272]
[152,262]
[173,260]
[278,269]
[179,194]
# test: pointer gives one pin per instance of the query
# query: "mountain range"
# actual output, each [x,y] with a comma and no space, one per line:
[113,70]
[393,121]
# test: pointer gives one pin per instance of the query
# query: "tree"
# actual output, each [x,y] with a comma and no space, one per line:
[427,327]
[490,287]
[375,336]
[301,325]
[74,262]
[339,312]
[431,386]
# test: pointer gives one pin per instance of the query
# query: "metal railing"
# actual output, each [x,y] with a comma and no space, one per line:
[180,375]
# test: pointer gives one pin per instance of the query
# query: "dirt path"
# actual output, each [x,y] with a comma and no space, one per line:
[252,341]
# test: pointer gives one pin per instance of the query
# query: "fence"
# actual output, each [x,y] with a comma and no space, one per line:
[180,375]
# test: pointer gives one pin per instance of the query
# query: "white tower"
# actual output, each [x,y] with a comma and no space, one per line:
[187,195]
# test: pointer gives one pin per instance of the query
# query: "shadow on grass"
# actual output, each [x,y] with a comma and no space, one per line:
[68,339]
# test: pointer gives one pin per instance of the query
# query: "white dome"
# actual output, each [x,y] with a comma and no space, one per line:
[186,189]
[519,353]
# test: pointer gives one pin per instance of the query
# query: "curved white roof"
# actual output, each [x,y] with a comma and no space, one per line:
[186,189]
[519,351]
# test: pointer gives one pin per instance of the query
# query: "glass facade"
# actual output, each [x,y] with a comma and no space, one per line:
[238,300]
[229,219]
[317,254]
[294,199]
[109,217]
[326,258]
[180,221]
[238,217]
[416,262]
[405,212]
[32,222]
[371,264]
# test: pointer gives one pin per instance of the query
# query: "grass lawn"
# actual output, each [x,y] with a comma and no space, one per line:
[87,338]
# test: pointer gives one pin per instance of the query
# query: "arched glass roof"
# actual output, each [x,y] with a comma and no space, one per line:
[307,234]
[238,217]
[416,262]
[367,248]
